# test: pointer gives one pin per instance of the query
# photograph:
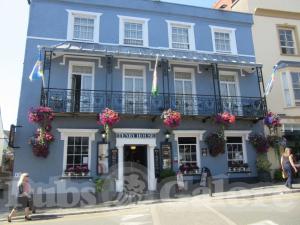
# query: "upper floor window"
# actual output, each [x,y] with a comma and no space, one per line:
[224,40]
[291,87]
[287,41]
[83,26]
[181,35]
[133,31]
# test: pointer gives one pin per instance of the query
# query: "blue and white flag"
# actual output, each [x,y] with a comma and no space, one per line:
[37,71]
[271,82]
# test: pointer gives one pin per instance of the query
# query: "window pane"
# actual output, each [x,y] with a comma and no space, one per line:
[286,41]
[222,42]
[133,33]
[83,28]
[180,37]
[70,140]
[234,140]
[186,140]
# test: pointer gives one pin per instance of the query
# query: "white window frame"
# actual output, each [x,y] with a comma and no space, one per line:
[66,133]
[294,41]
[70,73]
[191,33]
[134,67]
[236,79]
[231,32]
[244,134]
[198,134]
[290,86]
[84,14]
[129,19]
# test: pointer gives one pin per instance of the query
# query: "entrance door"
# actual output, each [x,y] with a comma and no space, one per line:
[135,168]
[82,86]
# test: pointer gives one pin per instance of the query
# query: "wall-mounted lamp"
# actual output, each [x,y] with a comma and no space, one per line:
[103,135]
[167,135]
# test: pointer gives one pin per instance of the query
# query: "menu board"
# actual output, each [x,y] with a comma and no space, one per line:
[166,152]
[114,162]
[102,164]
[156,162]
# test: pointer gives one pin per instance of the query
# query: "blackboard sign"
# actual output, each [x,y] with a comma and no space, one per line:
[166,155]
[114,162]
[156,162]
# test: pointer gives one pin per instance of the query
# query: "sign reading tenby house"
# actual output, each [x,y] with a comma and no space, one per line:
[135,135]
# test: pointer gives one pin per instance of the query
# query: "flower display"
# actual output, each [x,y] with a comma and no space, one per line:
[108,118]
[40,115]
[259,142]
[225,118]
[77,170]
[171,118]
[43,116]
[215,143]
[272,121]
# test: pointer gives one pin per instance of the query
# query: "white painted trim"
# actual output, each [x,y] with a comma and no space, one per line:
[151,144]
[118,66]
[238,133]
[81,57]
[143,21]
[187,70]
[117,44]
[86,14]
[135,130]
[65,133]
[198,134]
[236,79]
[231,32]
[80,63]
[191,33]
[189,133]
[245,137]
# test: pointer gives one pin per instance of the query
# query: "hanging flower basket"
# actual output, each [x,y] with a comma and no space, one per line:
[108,118]
[43,116]
[171,118]
[224,119]
[259,142]
[272,121]
[215,143]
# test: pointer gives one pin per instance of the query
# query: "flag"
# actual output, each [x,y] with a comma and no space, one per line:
[154,90]
[37,71]
[272,80]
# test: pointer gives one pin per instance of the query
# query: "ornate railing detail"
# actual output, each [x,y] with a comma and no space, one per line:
[141,103]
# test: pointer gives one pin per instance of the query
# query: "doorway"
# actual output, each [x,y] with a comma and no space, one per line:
[135,168]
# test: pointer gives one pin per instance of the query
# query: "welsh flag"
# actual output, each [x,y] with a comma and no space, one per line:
[154,90]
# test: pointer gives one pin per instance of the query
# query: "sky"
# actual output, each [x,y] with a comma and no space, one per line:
[13,23]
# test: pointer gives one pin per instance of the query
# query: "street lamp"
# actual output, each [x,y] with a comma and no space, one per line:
[167,136]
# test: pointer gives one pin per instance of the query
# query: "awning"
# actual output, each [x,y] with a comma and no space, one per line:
[71,47]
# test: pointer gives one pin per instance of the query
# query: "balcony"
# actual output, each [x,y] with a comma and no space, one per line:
[141,103]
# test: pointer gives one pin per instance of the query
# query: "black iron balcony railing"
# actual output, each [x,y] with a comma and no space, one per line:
[141,103]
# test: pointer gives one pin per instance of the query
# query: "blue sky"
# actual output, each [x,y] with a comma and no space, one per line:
[12,49]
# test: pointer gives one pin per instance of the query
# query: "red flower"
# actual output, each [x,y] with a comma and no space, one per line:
[171,118]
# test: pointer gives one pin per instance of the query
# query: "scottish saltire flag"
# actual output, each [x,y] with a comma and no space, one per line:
[37,71]
[154,90]
[271,82]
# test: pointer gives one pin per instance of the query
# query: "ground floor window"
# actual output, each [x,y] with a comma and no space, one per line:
[187,147]
[235,152]
[78,155]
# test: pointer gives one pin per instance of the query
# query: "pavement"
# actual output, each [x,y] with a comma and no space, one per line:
[236,192]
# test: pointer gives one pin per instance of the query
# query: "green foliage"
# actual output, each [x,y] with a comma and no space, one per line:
[99,185]
[278,175]
[215,143]
[166,173]
[262,163]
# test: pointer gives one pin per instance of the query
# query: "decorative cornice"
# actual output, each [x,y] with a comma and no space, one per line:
[277,13]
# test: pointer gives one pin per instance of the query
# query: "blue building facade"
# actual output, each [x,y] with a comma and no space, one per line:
[101,54]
